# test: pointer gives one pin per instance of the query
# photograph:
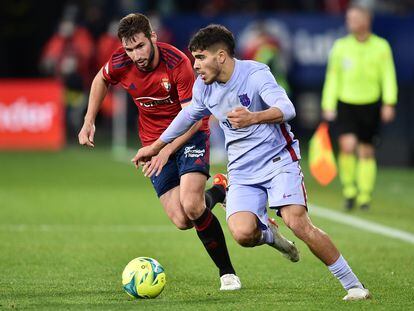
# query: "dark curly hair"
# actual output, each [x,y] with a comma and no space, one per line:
[133,24]
[213,36]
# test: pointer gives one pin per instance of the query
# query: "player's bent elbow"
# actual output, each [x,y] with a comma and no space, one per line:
[289,115]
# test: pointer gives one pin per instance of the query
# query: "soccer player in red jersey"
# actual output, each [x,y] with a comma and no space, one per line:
[159,77]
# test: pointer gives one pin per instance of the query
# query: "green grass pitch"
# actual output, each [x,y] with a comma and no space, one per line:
[71,221]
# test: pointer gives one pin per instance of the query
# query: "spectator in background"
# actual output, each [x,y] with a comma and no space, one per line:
[107,43]
[335,6]
[67,57]
[163,33]
[266,48]
[360,91]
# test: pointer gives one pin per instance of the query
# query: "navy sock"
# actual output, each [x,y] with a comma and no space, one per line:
[214,195]
[211,235]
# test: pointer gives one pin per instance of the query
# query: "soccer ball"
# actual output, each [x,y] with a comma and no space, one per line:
[143,277]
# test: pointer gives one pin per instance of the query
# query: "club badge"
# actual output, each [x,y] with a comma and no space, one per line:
[166,84]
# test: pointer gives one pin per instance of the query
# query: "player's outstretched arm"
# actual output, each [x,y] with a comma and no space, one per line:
[145,154]
[179,126]
[157,162]
[98,92]
[155,165]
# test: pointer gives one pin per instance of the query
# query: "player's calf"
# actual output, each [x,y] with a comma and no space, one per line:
[217,193]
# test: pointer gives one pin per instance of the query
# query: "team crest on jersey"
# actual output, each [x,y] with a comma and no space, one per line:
[166,84]
[244,100]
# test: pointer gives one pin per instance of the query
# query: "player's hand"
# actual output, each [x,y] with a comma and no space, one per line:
[240,117]
[87,134]
[157,163]
[143,156]
[329,115]
[387,113]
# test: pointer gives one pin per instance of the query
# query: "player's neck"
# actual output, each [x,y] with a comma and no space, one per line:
[227,70]
[362,36]
[156,59]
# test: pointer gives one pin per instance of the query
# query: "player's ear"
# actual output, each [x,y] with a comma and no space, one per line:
[154,37]
[221,56]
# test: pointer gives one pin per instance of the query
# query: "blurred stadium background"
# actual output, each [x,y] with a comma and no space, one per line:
[71,218]
[69,41]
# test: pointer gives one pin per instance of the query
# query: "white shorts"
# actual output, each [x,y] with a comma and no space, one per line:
[285,188]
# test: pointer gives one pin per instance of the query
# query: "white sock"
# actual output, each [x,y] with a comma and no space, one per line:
[267,237]
[343,272]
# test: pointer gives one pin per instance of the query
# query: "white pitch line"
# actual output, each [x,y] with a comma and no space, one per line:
[318,211]
[362,224]
[86,228]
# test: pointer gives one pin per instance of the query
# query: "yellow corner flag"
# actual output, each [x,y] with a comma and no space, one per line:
[321,158]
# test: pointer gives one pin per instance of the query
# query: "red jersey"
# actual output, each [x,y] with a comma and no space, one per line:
[159,93]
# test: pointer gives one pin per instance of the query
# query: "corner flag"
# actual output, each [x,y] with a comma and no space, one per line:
[321,158]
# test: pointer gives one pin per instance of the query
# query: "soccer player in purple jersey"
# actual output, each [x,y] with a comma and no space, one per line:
[253,111]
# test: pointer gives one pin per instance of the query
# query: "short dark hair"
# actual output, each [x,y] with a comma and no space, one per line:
[362,8]
[132,24]
[210,36]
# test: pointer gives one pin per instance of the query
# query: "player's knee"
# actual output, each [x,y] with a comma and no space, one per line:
[182,224]
[243,236]
[298,226]
[180,221]
[193,205]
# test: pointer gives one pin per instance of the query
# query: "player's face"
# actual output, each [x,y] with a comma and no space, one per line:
[207,65]
[357,21]
[141,50]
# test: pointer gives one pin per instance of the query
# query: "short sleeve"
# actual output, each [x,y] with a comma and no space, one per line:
[114,67]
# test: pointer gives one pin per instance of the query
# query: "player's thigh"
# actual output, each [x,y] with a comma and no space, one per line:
[166,186]
[246,198]
[168,179]
[194,155]
[193,164]
[170,201]
[287,188]
[192,187]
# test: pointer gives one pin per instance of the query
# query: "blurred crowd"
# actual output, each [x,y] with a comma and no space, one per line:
[86,35]
[215,7]
[75,52]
